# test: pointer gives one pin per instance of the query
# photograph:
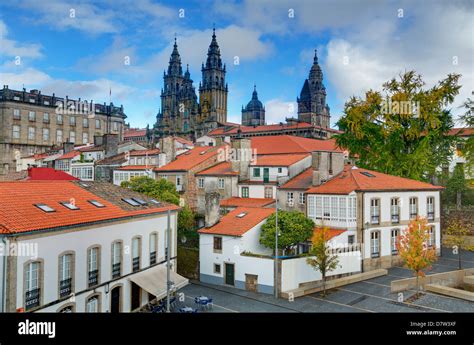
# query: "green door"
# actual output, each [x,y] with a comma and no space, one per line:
[266,174]
[229,274]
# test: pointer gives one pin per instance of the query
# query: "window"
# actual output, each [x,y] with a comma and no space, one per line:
[70,205]
[430,208]
[394,210]
[72,120]
[139,161]
[131,202]
[375,211]
[65,275]
[93,266]
[97,123]
[394,236]
[45,134]
[72,137]
[256,172]
[375,244]
[62,164]
[302,199]
[245,192]
[269,192]
[116,259]
[85,122]
[68,309]
[136,254]
[217,268]
[221,183]
[280,170]
[351,239]
[16,132]
[45,208]
[96,203]
[83,173]
[289,198]
[218,244]
[31,133]
[431,238]
[16,114]
[31,116]
[45,117]
[92,304]
[413,208]
[32,288]
[153,246]
[85,138]
[59,136]
[200,183]
[115,126]
[59,119]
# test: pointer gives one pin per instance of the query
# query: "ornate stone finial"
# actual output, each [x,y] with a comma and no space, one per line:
[315,56]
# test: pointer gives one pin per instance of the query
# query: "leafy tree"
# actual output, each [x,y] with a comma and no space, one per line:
[322,259]
[161,189]
[468,144]
[456,186]
[412,248]
[389,137]
[293,228]
[457,231]
[186,227]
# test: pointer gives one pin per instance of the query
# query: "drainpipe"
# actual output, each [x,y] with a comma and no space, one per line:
[4,278]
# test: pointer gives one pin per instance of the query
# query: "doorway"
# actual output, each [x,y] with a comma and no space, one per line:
[115,299]
[229,274]
[136,296]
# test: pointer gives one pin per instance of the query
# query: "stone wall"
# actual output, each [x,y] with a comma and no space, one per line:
[465,215]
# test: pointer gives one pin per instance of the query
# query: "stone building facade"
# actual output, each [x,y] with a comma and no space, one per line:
[254,113]
[34,123]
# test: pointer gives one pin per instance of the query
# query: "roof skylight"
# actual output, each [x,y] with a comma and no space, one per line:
[241,215]
[96,203]
[156,202]
[366,173]
[45,208]
[140,201]
[70,205]
[131,202]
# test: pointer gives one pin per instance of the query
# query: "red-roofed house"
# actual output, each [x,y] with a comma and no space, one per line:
[374,208]
[136,135]
[49,174]
[72,236]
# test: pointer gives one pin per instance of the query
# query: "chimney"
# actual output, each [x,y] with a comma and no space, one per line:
[98,140]
[212,208]
[111,144]
[68,147]
[242,152]
[168,148]
[325,165]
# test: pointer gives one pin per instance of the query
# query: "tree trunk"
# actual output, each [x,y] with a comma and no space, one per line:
[458,201]
[417,285]
[324,285]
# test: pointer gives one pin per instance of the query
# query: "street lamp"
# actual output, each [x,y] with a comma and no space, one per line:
[276,236]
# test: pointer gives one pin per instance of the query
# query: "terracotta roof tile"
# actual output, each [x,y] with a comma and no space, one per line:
[224,168]
[358,179]
[303,180]
[331,233]
[136,167]
[247,202]
[462,132]
[190,159]
[278,144]
[232,225]
[18,213]
[234,128]
[279,160]
[144,152]
[134,133]
[70,155]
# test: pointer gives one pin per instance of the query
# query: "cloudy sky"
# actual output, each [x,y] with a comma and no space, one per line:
[85,48]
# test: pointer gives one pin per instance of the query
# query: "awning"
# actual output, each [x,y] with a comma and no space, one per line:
[153,280]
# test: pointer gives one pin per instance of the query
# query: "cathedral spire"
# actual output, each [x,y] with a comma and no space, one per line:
[174,67]
[315,61]
[214,53]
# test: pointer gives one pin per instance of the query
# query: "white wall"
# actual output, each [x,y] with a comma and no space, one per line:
[50,247]
[297,271]
[256,190]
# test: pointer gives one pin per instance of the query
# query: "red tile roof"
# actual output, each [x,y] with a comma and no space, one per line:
[136,167]
[49,174]
[353,179]
[331,233]
[183,141]
[190,159]
[144,152]
[38,155]
[303,180]
[92,148]
[462,132]
[18,212]
[224,168]
[231,225]
[135,132]
[278,144]
[247,202]
[233,128]
[69,155]
[280,160]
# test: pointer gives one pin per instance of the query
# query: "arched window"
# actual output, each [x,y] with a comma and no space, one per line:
[92,304]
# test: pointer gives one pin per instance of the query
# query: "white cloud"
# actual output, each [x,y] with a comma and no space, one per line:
[276,110]
[10,47]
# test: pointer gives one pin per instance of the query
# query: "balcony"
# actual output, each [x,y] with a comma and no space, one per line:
[374,255]
[152,258]
[32,299]
[413,215]
[431,215]
[116,270]
[136,264]
[65,287]
[93,277]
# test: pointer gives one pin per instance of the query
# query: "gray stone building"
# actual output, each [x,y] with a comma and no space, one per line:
[35,123]
[254,113]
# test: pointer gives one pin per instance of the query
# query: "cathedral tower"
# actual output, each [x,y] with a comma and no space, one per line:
[254,113]
[312,106]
